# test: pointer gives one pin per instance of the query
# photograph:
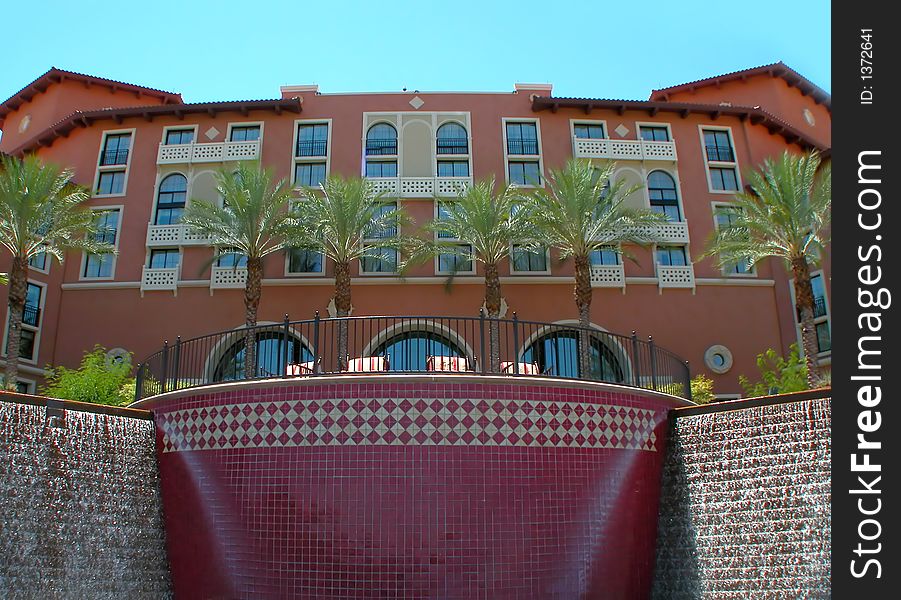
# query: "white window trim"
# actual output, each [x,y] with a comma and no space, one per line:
[547,261]
[524,157]
[232,125]
[160,176]
[48,262]
[31,385]
[115,257]
[463,122]
[640,124]
[397,204]
[114,168]
[169,128]
[675,175]
[718,164]
[37,330]
[450,240]
[685,247]
[572,128]
[394,121]
[304,274]
[295,160]
[713,208]
[150,251]
[827,318]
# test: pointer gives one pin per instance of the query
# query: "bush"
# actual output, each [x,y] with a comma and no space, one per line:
[702,389]
[99,380]
[777,374]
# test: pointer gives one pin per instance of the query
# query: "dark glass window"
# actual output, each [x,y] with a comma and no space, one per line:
[557,354]
[384,260]
[26,344]
[671,256]
[309,174]
[453,263]
[442,214]
[587,131]
[170,203]
[115,149]
[304,261]
[522,138]
[723,179]
[270,352]
[824,337]
[23,387]
[654,134]
[381,168]
[524,173]
[381,139]
[524,260]
[662,193]
[718,146]
[101,265]
[312,140]
[380,212]
[164,258]
[232,260]
[453,168]
[38,261]
[245,133]
[452,139]
[409,351]
[604,256]
[111,182]
[175,137]
[726,216]
[32,312]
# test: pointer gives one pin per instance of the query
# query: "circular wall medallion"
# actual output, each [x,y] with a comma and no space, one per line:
[718,359]
[808,116]
[24,123]
[118,355]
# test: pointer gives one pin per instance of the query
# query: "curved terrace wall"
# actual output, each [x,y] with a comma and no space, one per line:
[411,486]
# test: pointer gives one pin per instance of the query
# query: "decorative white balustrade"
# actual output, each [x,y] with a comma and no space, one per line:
[675,277]
[203,153]
[420,187]
[624,149]
[669,232]
[174,235]
[159,279]
[228,277]
[608,276]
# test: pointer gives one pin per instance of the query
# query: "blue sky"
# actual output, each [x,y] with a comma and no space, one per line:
[245,50]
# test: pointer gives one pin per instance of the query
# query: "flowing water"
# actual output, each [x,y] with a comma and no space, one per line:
[80,509]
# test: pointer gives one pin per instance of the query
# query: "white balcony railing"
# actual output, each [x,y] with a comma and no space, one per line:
[608,276]
[669,232]
[159,279]
[420,187]
[624,149]
[228,277]
[204,153]
[676,277]
[174,235]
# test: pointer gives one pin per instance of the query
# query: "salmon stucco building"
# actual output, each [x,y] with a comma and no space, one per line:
[145,154]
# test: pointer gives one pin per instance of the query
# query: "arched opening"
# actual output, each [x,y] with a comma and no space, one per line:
[452,139]
[662,194]
[381,139]
[410,350]
[270,350]
[557,354]
[170,201]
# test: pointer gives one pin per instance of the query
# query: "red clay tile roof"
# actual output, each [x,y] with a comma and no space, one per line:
[779,69]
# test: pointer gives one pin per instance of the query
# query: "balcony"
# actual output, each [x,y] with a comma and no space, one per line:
[519,147]
[624,149]
[31,315]
[111,158]
[608,276]
[676,276]
[669,232]
[420,187]
[381,147]
[170,154]
[159,279]
[174,235]
[223,278]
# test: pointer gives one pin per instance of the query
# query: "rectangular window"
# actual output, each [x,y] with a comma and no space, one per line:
[453,168]
[245,133]
[455,263]
[719,153]
[110,182]
[654,134]
[175,137]
[725,216]
[115,149]
[824,337]
[312,140]
[32,312]
[309,174]
[522,138]
[586,131]
[164,258]
[233,259]
[723,179]
[718,146]
[384,260]
[525,261]
[26,343]
[442,214]
[524,173]
[101,265]
[671,256]
[820,313]
[304,261]
[38,261]
[381,168]
[604,256]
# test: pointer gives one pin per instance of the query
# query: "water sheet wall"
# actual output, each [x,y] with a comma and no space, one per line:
[80,509]
[745,504]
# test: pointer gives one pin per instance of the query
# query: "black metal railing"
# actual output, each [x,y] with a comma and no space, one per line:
[414,344]
[31,315]
[114,157]
[311,147]
[819,308]
[720,153]
[522,147]
[453,146]
[381,147]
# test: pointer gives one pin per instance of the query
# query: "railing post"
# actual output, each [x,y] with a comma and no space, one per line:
[165,373]
[139,382]
[176,370]
[515,344]
[687,381]
[286,331]
[482,339]
[316,343]
[636,360]
[653,352]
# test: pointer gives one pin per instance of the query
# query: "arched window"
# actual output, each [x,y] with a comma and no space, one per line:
[170,201]
[662,193]
[452,139]
[270,356]
[409,351]
[381,139]
[557,354]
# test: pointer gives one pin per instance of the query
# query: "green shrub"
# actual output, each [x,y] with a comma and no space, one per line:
[778,375]
[702,389]
[99,380]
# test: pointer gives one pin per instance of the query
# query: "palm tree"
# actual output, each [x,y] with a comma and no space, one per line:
[786,215]
[252,221]
[41,211]
[347,220]
[489,223]
[582,211]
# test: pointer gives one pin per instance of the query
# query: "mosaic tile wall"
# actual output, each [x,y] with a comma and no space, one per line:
[745,507]
[80,507]
[412,490]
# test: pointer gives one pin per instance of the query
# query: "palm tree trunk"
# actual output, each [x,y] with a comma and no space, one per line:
[18,290]
[342,309]
[253,290]
[582,293]
[493,306]
[804,302]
